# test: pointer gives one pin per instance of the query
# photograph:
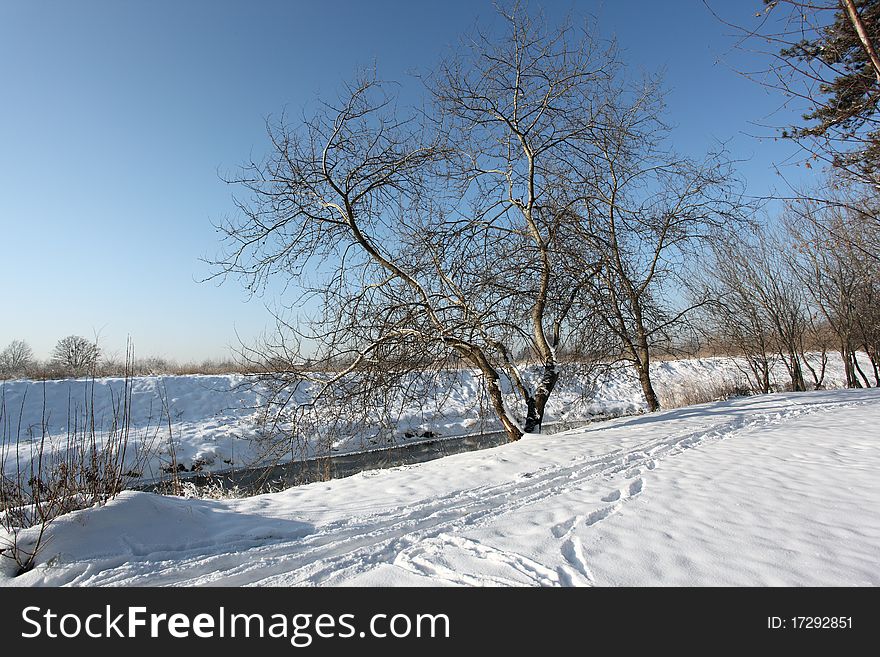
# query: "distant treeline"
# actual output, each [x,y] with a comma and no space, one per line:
[76,356]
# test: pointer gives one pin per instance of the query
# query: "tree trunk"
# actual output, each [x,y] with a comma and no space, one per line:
[872,358]
[862,33]
[642,362]
[642,357]
[493,388]
[818,377]
[537,403]
[765,377]
[760,367]
[855,358]
[797,374]
[648,388]
[851,381]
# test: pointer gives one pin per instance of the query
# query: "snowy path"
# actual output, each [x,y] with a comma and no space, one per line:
[779,489]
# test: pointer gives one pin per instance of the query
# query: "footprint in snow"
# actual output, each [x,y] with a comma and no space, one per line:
[636,487]
[563,528]
[616,497]
[573,552]
[613,496]
[600,514]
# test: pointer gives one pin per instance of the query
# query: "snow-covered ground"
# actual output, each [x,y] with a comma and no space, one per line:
[778,489]
[214,419]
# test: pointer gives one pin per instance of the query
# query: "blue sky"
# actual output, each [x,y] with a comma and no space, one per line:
[116,118]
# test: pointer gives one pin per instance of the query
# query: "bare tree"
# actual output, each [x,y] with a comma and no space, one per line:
[346,192]
[834,246]
[763,307]
[16,359]
[522,115]
[736,318]
[76,355]
[430,246]
[646,212]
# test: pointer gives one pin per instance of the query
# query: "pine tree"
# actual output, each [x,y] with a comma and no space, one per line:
[844,63]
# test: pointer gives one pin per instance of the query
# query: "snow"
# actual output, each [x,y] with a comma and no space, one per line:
[214,419]
[778,489]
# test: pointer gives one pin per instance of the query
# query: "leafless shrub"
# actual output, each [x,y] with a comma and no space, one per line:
[44,476]
[212,490]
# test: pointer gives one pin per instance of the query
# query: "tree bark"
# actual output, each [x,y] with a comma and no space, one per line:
[765,377]
[643,367]
[859,26]
[797,374]
[537,403]
[493,388]
[872,354]
[648,390]
[852,381]
[855,360]
[761,369]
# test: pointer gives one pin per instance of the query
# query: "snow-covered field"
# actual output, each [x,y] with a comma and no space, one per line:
[214,419]
[779,489]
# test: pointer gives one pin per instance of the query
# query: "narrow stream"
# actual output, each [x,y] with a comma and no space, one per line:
[262,479]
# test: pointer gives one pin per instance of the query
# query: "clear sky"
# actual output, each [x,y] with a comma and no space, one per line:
[116,118]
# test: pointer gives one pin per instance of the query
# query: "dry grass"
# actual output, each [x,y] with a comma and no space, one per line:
[43,477]
[689,393]
[141,367]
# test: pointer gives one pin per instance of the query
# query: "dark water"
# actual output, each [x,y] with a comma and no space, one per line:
[293,473]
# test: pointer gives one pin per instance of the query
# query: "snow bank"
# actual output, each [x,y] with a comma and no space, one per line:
[766,490]
[214,419]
